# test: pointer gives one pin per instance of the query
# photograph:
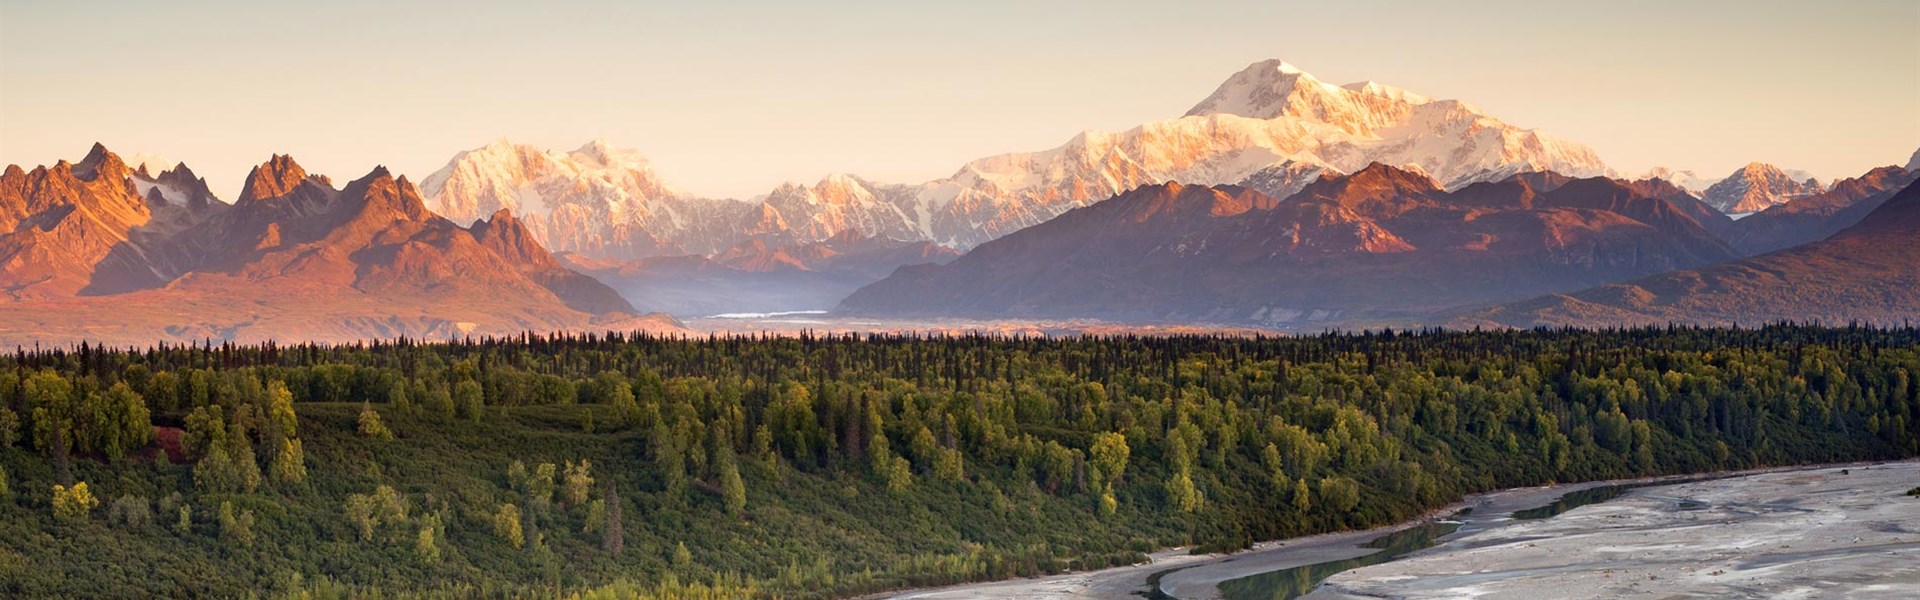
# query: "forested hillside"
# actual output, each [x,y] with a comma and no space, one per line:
[620,467]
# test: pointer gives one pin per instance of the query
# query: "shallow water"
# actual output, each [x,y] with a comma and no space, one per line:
[1297,581]
[1573,500]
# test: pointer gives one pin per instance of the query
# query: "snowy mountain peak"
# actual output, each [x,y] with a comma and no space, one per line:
[599,199]
[1758,186]
[1280,66]
[1913,164]
[599,147]
[1265,90]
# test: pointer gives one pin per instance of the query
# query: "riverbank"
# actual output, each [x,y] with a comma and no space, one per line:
[1836,531]
[1187,576]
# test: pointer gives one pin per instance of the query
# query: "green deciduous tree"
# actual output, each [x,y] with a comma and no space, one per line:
[469,401]
[55,410]
[128,425]
[733,489]
[236,525]
[9,428]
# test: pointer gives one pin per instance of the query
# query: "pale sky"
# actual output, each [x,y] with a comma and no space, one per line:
[729,98]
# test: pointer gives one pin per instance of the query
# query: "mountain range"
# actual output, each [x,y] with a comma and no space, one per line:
[1869,272]
[95,251]
[1379,246]
[1270,127]
[1276,201]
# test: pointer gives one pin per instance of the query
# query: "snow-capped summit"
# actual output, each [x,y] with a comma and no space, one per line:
[1273,88]
[1269,114]
[535,182]
[598,199]
[1913,164]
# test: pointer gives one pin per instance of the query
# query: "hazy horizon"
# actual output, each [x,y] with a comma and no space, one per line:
[730,100]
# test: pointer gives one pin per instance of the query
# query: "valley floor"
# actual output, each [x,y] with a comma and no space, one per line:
[1800,532]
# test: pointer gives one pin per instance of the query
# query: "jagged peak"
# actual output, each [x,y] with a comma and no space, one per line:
[97,153]
[272,179]
[178,170]
[379,187]
[99,161]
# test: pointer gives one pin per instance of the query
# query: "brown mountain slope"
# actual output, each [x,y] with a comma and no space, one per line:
[295,259]
[1869,272]
[1380,243]
[507,237]
[59,225]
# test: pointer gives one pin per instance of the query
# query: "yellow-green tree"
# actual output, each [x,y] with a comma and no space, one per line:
[290,463]
[578,482]
[370,424]
[73,503]
[506,525]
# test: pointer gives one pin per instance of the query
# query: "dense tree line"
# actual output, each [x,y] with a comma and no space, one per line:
[633,466]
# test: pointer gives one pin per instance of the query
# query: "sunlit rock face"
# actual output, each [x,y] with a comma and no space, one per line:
[1757,187]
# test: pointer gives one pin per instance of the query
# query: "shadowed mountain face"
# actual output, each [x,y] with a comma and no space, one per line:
[293,258]
[1869,272]
[1379,244]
